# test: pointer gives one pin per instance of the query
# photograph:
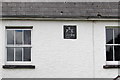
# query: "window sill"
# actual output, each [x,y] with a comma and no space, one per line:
[19,66]
[111,66]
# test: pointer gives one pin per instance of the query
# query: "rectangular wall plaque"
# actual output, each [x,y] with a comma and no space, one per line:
[70,32]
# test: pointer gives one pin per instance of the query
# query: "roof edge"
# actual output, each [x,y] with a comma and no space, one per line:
[62,19]
[37,16]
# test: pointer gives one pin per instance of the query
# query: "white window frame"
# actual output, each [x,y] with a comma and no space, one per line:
[15,46]
[111,62]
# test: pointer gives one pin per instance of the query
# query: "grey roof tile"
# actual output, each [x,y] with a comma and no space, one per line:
[60,9]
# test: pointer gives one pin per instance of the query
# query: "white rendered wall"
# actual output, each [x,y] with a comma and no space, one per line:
[1,39]
[0,58]
[100,50]
[55,57]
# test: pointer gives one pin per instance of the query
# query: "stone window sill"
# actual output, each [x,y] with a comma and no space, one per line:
[19,66]
[111,66]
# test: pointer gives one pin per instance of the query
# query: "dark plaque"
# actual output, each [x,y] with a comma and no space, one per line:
[70,32]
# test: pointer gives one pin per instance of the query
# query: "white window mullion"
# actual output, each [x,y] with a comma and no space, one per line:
[14,38]
[112,44]
[22,43]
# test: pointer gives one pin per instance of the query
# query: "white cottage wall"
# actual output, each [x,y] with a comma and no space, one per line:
[1,42]
[100,50]
[56,57]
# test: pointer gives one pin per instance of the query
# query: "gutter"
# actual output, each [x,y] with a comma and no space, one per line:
[61,19]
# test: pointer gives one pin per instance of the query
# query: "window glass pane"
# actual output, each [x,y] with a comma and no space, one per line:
[117,53]
[18,54]
[10,37]
[27,36]
[18,36]
[27,54]
[117,35]
[109,53]
[10,54]
[109,36]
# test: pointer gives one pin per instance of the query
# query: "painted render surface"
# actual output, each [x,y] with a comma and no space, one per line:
[1,51]
[0,56]
[56,57]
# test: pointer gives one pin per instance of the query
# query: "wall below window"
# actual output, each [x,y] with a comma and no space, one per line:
[56,57]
